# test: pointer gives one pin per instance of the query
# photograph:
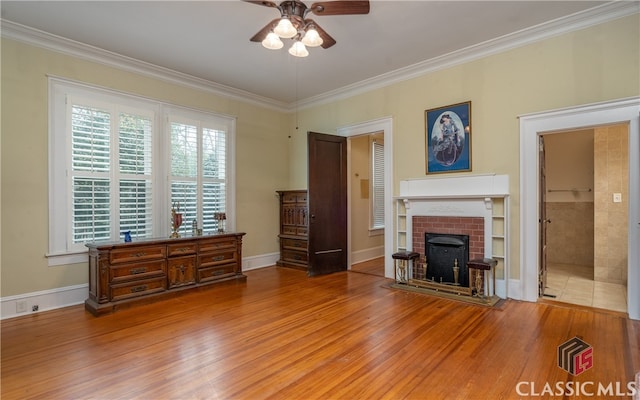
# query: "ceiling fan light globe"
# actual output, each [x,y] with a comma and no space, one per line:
[285,29]
[298,50]
[312,38]
[272,42]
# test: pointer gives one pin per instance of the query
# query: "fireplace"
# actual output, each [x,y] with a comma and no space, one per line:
[473,205]
[446,258]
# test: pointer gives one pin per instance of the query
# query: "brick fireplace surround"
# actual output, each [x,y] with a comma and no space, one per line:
[471,226]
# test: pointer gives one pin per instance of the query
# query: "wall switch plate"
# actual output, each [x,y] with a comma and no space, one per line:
[617,197]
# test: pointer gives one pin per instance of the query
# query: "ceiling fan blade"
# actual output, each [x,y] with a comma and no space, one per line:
[262,33]
[340,7]
[327,40]
[262,3]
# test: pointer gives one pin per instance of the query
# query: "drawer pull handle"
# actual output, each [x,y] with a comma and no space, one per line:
[135,271]
[141,254]
[137,289]
[218,272]
[183,249]
[218,258]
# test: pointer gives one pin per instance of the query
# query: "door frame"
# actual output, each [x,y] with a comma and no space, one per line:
[386,126]
[534,125]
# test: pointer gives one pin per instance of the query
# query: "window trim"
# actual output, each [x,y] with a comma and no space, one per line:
[59,251]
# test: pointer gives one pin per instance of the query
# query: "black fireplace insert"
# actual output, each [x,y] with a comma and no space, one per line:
[443,253]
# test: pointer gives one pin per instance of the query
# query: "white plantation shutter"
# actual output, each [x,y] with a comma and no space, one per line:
[377,208]
[214,187]
[118,162]
[198,173]
[90,166]
[111,179]
[135,175]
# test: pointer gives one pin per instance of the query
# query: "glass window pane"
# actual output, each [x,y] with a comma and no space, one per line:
[184,150]
[135,144]
[90,138]
[214,153]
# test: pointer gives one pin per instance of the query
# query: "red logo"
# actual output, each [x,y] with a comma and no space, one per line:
[575,356]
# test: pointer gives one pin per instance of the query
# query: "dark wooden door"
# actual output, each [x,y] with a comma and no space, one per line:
[327,203]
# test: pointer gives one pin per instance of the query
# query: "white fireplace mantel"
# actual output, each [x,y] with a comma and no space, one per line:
[458,196]
[458,187]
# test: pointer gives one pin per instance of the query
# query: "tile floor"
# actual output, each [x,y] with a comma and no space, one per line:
[574,284]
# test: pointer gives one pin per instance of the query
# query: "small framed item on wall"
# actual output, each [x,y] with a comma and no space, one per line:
[448,138]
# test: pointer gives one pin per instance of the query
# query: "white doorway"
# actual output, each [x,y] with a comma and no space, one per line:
[384,125]
[624,111]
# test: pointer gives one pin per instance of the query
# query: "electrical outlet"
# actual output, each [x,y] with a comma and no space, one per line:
[21,306]
[617,197]
[34,307]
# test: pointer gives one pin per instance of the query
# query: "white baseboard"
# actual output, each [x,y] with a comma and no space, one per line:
[367,254]
[30,303]
[261,261]
[72,295]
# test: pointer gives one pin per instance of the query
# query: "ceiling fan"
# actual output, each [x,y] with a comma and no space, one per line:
[293,23]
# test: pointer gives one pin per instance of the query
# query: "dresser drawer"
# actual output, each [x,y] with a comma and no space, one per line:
[138,253]
[295,256]
[218,244]
[138,288]
[181,249]
[293,244]
[216,258]
[125,272]
[219,272]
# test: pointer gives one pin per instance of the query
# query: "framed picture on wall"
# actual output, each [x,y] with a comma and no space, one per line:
[448,138]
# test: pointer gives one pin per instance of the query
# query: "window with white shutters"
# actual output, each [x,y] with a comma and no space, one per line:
[198,173]
[111,175]
[118,163]
[377,184]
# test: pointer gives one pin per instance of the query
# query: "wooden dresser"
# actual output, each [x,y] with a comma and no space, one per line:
[124,273]
[294,229]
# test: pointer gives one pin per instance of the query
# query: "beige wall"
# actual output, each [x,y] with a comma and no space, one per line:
[611,219]
[591,65]
[360,180]
[261,134]
[587,66]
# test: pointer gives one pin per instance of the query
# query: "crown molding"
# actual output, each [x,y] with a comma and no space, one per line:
[38,38]
[581,20]
[591,17]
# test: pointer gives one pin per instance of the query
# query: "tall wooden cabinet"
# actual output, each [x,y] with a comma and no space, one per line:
[294,229]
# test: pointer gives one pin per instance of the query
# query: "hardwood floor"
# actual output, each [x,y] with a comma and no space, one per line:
[373,267]
[283,335]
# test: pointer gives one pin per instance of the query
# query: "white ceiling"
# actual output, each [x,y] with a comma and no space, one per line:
[209,40]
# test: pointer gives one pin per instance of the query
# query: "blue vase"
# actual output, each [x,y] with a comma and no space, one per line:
[127,236]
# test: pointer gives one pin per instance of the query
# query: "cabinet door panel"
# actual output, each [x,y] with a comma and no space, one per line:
[181,271]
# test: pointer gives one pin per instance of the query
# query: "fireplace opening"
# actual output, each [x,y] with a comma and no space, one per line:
[447,256]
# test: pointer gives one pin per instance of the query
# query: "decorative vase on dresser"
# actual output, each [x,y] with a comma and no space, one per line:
[294,229]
